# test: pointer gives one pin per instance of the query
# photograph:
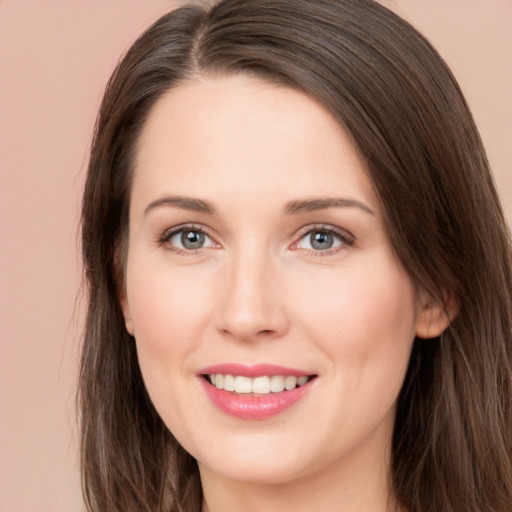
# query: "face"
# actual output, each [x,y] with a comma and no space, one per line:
[258,260]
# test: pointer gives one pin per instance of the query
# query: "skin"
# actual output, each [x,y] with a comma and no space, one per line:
[258,292]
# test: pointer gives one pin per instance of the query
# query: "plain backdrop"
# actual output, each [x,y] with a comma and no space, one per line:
[55,58]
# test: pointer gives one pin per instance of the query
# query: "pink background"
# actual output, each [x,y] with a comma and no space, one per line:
[55,58]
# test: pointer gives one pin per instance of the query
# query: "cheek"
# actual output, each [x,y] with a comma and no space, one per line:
[168,310]
[364,319]
[363,323]
[167,306]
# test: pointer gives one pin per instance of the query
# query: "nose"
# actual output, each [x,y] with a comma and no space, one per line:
[251,303]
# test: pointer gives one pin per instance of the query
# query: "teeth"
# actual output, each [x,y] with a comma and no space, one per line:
[302,380]
[243,384]
[290,383]
[260,385]
[276,383]
[229,383]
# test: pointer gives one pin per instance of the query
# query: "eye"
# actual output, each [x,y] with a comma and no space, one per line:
[187,239]
[323,240]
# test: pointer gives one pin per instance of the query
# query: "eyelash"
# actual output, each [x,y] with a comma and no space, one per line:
[168,234]
[346,239]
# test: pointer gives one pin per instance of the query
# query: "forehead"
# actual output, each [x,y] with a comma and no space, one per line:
[241,133]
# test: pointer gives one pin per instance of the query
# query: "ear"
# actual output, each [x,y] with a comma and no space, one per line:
[120,279]
[125,308]
[435,315]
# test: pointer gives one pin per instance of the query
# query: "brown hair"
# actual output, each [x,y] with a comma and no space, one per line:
[398,101]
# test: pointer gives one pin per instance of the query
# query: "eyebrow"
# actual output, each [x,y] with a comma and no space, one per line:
[311,205]
[185,203]
[292,208]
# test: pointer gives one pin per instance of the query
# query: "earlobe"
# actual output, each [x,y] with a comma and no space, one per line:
[434,316]
[123,301]
[120,266]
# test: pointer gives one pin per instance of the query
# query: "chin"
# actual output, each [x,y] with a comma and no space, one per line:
[259,471]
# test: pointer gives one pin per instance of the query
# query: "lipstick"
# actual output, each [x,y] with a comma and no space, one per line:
[254,392]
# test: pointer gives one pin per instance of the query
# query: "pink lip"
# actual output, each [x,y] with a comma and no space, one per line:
[257,370]
[253,407]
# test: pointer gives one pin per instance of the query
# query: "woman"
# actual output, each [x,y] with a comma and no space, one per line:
[299,272]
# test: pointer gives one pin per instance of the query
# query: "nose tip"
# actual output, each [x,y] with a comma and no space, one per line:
[256,323]
[252,306]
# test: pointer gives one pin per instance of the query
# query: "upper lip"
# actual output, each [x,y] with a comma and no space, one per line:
[258,370]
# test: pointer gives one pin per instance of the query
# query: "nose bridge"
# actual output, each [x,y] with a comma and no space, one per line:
[252,305]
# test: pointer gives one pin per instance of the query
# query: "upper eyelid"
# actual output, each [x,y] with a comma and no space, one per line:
[342,233]
[346,238]
[167,233]
[164,239]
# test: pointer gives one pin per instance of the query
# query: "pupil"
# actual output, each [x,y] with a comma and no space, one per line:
[321,241]
[192,239]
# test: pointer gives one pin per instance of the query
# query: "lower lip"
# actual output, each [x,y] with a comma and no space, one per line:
[254,407]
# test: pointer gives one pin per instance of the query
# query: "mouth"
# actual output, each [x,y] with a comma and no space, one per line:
[255,392]
[262,385]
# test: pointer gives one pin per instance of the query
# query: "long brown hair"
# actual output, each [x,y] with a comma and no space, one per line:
[397,100]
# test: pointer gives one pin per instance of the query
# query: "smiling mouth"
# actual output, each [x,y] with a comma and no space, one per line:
[263,385]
